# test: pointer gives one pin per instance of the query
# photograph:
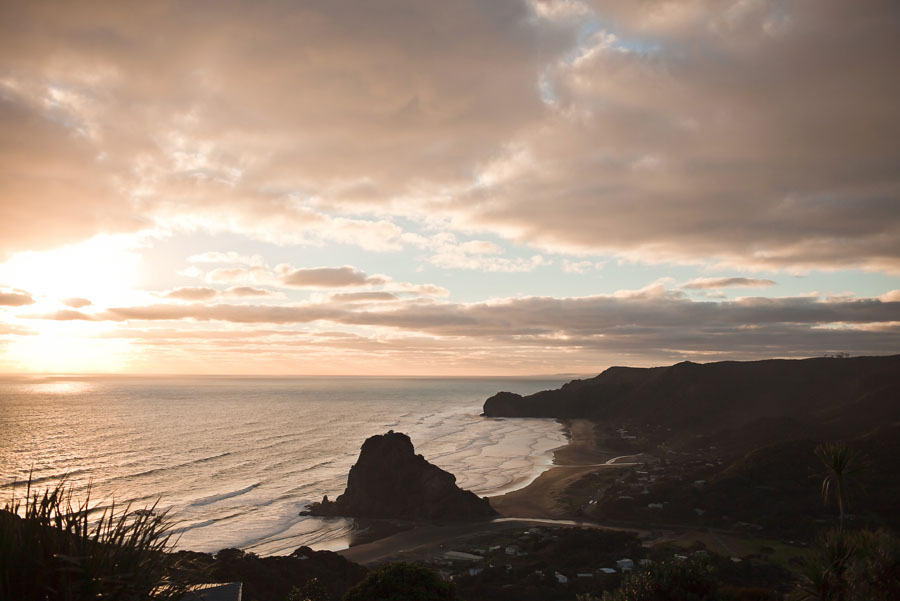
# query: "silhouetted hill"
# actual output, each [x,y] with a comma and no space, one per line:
[760,401]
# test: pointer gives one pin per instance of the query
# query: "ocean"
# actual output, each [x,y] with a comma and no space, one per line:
[235,459]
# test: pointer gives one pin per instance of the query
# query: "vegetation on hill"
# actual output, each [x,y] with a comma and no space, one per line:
[402,582]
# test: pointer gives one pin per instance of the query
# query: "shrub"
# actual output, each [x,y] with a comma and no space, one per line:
[51,549]
[402,582]
[688,580]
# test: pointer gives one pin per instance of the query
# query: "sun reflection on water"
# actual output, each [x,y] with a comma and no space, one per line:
[61,386]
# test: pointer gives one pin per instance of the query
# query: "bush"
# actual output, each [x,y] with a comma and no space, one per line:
[50,550]
[402,582]
[688,580]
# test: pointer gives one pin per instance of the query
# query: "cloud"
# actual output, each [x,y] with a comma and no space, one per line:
[15,298]
[356,297]
[77,303]
[203,133]
[243,275]
[760,134]
[192,293]
[449,253]
[713,283]
[651,321]
[247,291]
[326,277]
[66,315]
[581,266]
[697,130]
[203,293]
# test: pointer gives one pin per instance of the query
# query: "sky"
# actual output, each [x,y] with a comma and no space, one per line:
[408,187]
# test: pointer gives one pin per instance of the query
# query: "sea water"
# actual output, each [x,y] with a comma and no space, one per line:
[235,459]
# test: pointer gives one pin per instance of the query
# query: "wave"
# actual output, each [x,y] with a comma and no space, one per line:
[226,495]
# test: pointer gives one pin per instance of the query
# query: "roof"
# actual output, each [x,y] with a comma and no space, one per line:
[230,591]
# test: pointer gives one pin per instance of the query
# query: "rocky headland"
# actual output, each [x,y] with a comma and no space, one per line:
[389,480]
[760,401]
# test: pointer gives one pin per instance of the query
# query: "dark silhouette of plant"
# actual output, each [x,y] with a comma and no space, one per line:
[825,573]
[841,464]
[52,549]
[688,580]
[312,590]
[875,570]
[851,566]
[402,582]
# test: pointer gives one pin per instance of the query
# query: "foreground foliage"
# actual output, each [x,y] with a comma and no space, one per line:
[852,566]
[688,580]
[50,549]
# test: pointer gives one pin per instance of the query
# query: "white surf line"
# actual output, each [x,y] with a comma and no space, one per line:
[614,459]
[611,462]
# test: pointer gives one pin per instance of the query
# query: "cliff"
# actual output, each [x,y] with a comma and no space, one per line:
[840,397]
[390,481]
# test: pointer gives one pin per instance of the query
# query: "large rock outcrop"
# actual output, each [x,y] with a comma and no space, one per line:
[390,481]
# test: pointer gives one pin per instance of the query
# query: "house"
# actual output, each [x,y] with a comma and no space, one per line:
[230,591]
[607,570]
[460,556]
[646,562]
[475,571]
[561,578]
[513,550]
[625,565]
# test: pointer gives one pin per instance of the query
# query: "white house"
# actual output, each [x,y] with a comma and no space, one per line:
[625,565]
[561,578]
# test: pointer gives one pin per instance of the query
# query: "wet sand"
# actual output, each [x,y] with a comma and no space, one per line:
[541,498]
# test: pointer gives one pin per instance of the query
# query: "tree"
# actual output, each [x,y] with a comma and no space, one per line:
[840,464]
[402,582]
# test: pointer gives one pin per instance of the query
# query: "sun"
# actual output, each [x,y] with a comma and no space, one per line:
[104,270]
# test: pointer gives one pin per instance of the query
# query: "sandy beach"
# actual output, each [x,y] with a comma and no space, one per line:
[540,500]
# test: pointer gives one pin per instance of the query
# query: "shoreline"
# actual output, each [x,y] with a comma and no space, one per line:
[380,540]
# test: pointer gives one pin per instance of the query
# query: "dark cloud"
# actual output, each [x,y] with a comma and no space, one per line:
[760,134]
[712,283]
[639,323]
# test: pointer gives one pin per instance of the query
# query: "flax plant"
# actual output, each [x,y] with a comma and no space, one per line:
[55,547]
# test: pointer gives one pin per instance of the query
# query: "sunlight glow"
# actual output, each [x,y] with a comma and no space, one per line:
[104,269]
[67,347]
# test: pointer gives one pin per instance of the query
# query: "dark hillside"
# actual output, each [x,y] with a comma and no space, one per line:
[821,397]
